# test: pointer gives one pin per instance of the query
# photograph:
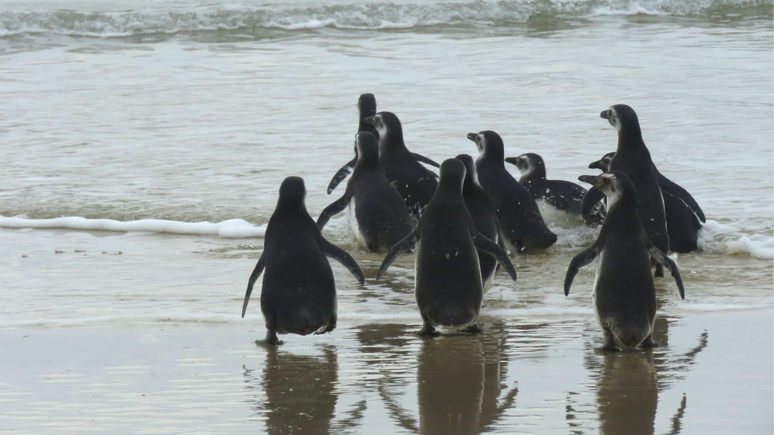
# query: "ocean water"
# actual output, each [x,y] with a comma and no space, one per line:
[143,143]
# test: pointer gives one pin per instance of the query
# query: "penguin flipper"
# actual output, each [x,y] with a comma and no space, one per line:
[401,247]
[590,199]
[677,190]
[333,209]
[332,251]
[488,246]
[251,282]
[579,261]
[341,174]
[422,159]
[667,262]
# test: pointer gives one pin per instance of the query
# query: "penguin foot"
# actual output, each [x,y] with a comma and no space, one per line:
[265,342]
[649,343]
[428,330]
[659,271]
[608,348]
[473,329]
[270,340]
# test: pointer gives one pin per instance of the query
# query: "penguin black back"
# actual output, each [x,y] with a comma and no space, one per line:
[633,158]
[559,194]
[298,295]
[377,214]
[413,181]
[366,106]
[521,223]
[624,296]
[448,284]
[484,216]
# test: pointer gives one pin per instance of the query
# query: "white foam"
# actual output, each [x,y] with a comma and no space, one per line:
[727,239]
[369,16]
[232,228]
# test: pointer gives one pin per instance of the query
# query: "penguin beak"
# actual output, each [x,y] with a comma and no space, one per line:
[513,160]
[590,179]
[605,114]
[473,137]
[596,165]
[369,119]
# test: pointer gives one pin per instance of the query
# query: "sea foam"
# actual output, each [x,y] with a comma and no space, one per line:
[366,16]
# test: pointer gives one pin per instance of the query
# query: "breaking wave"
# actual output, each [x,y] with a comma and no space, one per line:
[369,16]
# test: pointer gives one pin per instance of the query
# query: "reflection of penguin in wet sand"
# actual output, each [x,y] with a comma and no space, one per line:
[624,296]
[478,396]
[298,294]
[521,223]
[377,214]
[559,194]
[448,284]
[684,217]
[633,158]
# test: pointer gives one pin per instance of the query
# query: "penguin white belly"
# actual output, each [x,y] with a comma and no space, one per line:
[352,216]
[554,216]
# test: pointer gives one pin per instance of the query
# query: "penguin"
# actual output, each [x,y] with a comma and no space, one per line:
[683,219]
[298,294]
[633,158]
[521,223]
[377,214]
[366,106]
[447,282]
[484,216]
[624,296]
[561,195]
[413,181]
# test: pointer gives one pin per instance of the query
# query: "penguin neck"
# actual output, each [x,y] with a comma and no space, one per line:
[535,175]
[630,137]
[365,127]
[494,155]
[391,141]
[367,163]
[291,207]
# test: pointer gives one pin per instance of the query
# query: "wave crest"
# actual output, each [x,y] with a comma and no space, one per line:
[372,16]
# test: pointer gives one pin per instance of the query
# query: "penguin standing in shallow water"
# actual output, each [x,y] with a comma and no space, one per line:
[298,294]
[684,217]
[559,194]
[484,216]
[633,158]
[624,296]
[377,214]
[521,223]
[366,106]
[413,181]
[447,281]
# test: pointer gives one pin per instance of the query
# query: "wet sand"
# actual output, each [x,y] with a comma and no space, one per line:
[712,375]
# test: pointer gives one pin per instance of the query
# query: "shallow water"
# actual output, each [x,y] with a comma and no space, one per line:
[134,120]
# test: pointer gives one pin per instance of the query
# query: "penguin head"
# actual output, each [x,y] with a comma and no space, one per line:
[623,118]
[489,144]
[452,175]
[387,125]
[616,185]
[471,176]
[292,193]
[529,164]
[366,104]
[602,164]
[367,149]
